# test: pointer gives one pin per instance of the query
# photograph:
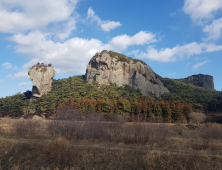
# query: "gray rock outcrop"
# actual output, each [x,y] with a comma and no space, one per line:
[42,76]
[110,67]
[201,80]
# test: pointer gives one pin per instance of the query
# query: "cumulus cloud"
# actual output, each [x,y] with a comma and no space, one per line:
[7,65]
[214,30]
[24,83]
[109,25]
[121,42]
[105,25]
[196,66]
[70,56]
[21,74]
[172,54]
[73,55]
[25,15]
[200,10]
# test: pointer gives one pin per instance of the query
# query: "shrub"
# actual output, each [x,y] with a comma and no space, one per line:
[24,128]
[140,133]
[211,131]
[196,117]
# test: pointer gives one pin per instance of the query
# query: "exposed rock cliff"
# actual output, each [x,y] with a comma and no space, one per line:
[42,76]
[110,67]
[201,80]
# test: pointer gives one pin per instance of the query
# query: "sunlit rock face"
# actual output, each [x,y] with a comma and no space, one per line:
[42,76]
[202,80]
[106,68]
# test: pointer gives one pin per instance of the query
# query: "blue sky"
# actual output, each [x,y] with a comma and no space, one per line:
[175,38]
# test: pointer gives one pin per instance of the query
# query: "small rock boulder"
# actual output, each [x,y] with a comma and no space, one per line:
[35,117]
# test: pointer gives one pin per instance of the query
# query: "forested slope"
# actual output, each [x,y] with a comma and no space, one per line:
[111,99]
[202,99]
[63,89]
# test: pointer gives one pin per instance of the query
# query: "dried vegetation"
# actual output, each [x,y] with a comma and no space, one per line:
[92,143]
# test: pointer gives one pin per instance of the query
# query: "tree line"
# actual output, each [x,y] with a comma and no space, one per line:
[145,108]
[75,87]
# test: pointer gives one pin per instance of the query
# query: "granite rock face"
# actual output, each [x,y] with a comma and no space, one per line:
[106,68]
[42,76]
[201,80]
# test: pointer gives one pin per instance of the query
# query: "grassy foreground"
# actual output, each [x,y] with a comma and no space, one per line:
[91,143]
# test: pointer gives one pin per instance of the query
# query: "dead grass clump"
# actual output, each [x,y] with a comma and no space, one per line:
[128,133]
[182,161]
[141,133]
[211,131]
[24,128]
[95,131]
[77,130]
[196,117]
[66,129]
[60,151]
[192,127]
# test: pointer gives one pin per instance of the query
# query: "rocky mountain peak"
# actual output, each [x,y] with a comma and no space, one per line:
[111,67]
[202,80]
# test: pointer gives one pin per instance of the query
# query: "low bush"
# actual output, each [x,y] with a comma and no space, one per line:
[24,128]
[196,117]
[128,133]
[211,131]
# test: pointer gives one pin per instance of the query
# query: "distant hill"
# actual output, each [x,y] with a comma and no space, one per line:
[183,90]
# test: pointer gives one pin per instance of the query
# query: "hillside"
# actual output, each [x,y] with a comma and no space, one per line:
[202,99]
[112,98]
[63,89]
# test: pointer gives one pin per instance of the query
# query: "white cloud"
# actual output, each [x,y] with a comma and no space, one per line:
[73,55]
[24,83]
[109,25]
[135,52]
[1,80]
[121,42]
[7,65]
[200,10]
[171,55]
[21,74]
[214,30]
[24,15]
[196,66]
[69,57]
[105,25]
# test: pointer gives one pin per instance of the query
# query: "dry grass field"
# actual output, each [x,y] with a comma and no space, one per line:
[95,144]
